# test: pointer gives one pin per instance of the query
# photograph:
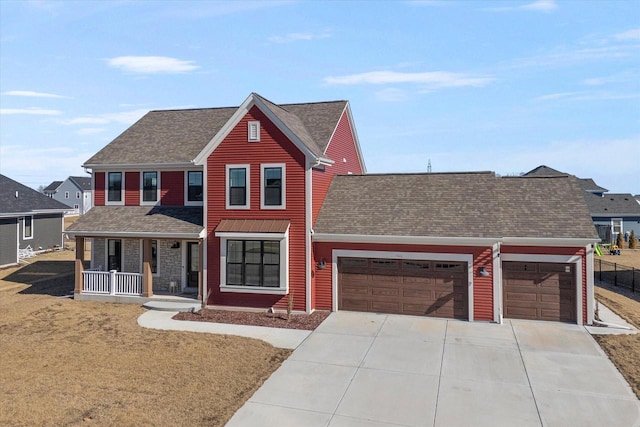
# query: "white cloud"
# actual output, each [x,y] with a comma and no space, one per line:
[29,111]
[294,37]
[587,96]
[633,34]
[152,64]
[433,79]
[29,93]
[124,117]
[391,95]
[536,6]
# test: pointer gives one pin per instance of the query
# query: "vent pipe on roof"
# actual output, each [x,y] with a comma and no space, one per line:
[16,194]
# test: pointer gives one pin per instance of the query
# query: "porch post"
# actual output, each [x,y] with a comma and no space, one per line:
[200,267]
[79,264]
[147,279]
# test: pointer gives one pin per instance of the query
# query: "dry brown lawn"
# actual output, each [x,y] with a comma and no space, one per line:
[623,350]
[65,362]
[628,257]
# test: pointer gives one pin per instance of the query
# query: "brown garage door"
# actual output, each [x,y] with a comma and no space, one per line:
[424,288]
[540,291]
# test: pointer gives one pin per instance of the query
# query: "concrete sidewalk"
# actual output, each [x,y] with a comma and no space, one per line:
[361,369]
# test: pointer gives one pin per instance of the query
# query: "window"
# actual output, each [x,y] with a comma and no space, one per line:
[66,194]
[150,187]
[114,187]
[154,257]
[616,225]
[114,254]
[77,194]
[273,187]
[254,132]
[194,187]
[76,206]
[253,263]
[27,228]
[238,187]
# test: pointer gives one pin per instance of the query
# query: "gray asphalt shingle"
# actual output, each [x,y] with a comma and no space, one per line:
[18,198]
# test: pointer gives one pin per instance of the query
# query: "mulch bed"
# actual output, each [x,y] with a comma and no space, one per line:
[278,320]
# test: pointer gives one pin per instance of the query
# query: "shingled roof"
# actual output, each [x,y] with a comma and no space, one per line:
[464,205]
[53,186]
[82,182]
[178,136]
[612,204]
[140,221]
[587,184]
[16,198]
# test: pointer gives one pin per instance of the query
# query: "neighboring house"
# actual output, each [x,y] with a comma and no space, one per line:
[612,213]
[75,192]
[27,219]
[255,205]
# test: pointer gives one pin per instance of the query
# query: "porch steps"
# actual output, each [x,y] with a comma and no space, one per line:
[171,306]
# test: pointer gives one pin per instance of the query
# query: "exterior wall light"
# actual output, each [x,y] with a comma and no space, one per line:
[322,264]
[482,271]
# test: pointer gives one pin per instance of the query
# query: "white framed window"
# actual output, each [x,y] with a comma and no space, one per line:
[616,226]
[66,194]
[238,187]
[115,188]
[273,186]
[254,263]
[114,255]
[76,206]
[194,188]
[27,228]
[150,185]
[154,256]
[253,131]
[77,194]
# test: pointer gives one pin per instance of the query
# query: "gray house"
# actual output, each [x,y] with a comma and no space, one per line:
[74,192]
[27,219]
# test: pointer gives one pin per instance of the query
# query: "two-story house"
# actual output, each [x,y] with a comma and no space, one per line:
[75,192]
[251,206]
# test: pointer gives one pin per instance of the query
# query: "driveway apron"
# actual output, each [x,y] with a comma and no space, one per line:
[363,369]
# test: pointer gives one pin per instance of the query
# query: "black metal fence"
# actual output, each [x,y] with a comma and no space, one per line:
[617,274]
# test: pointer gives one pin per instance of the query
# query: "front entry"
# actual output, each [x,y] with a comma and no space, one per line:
[193,264]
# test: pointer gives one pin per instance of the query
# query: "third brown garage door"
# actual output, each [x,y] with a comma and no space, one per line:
[540,291]
[425,288]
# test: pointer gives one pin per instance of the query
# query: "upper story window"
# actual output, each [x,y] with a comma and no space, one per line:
[150,187]
[114,187]
[77,194]
[66,194]
[27,228]
[254,131]
[273,194]
[194,187]
[238,186]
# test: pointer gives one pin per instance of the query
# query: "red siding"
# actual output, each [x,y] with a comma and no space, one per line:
[482,256]
[273,147]
[557,251]
[342,146]
[172,188]
[98,193]
[132,188]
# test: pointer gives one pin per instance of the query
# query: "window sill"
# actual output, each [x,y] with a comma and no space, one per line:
[253,290]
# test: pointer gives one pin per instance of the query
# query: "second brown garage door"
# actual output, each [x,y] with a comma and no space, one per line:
[539,291]
[425,288]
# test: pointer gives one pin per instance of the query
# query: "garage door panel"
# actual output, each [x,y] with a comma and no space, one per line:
[541,291]
[403,286]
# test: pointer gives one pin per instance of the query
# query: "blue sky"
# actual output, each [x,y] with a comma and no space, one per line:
[471,85]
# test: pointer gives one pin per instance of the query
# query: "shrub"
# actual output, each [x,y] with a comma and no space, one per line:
[633,242]
[620,241]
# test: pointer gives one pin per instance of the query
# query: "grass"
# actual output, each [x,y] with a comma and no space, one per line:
[623,350]
[628,257]
[66,362]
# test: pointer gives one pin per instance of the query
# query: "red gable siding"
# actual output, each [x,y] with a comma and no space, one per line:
[98,193]
[482,256]
[341,147]
[273,147]
[172,188]
[132,188]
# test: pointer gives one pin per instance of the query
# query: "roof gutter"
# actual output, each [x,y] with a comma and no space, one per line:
[134,234]
[35,212]
[138,166]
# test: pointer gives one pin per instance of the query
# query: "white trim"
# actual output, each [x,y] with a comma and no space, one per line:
[204,235]
[134,234]
[185,264]
[283,289]
[158,189]
[547,241]
[308,218]
[283,167]
[613,232]
[106,189]
[253,125]
[422,256]
[590,285]
[247,182]
[497,288]
[563,259]
[78,194]
[408,240]
[187,202]
[24,229]
[66,195]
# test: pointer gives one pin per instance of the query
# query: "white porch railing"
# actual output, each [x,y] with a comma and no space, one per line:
[111,283]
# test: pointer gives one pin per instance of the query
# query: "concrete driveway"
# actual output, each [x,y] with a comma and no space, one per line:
[360,369]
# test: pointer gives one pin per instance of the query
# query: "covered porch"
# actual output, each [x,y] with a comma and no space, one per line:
[157,254]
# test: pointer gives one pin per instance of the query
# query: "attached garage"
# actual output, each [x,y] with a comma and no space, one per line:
[403,286]
[539,291]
